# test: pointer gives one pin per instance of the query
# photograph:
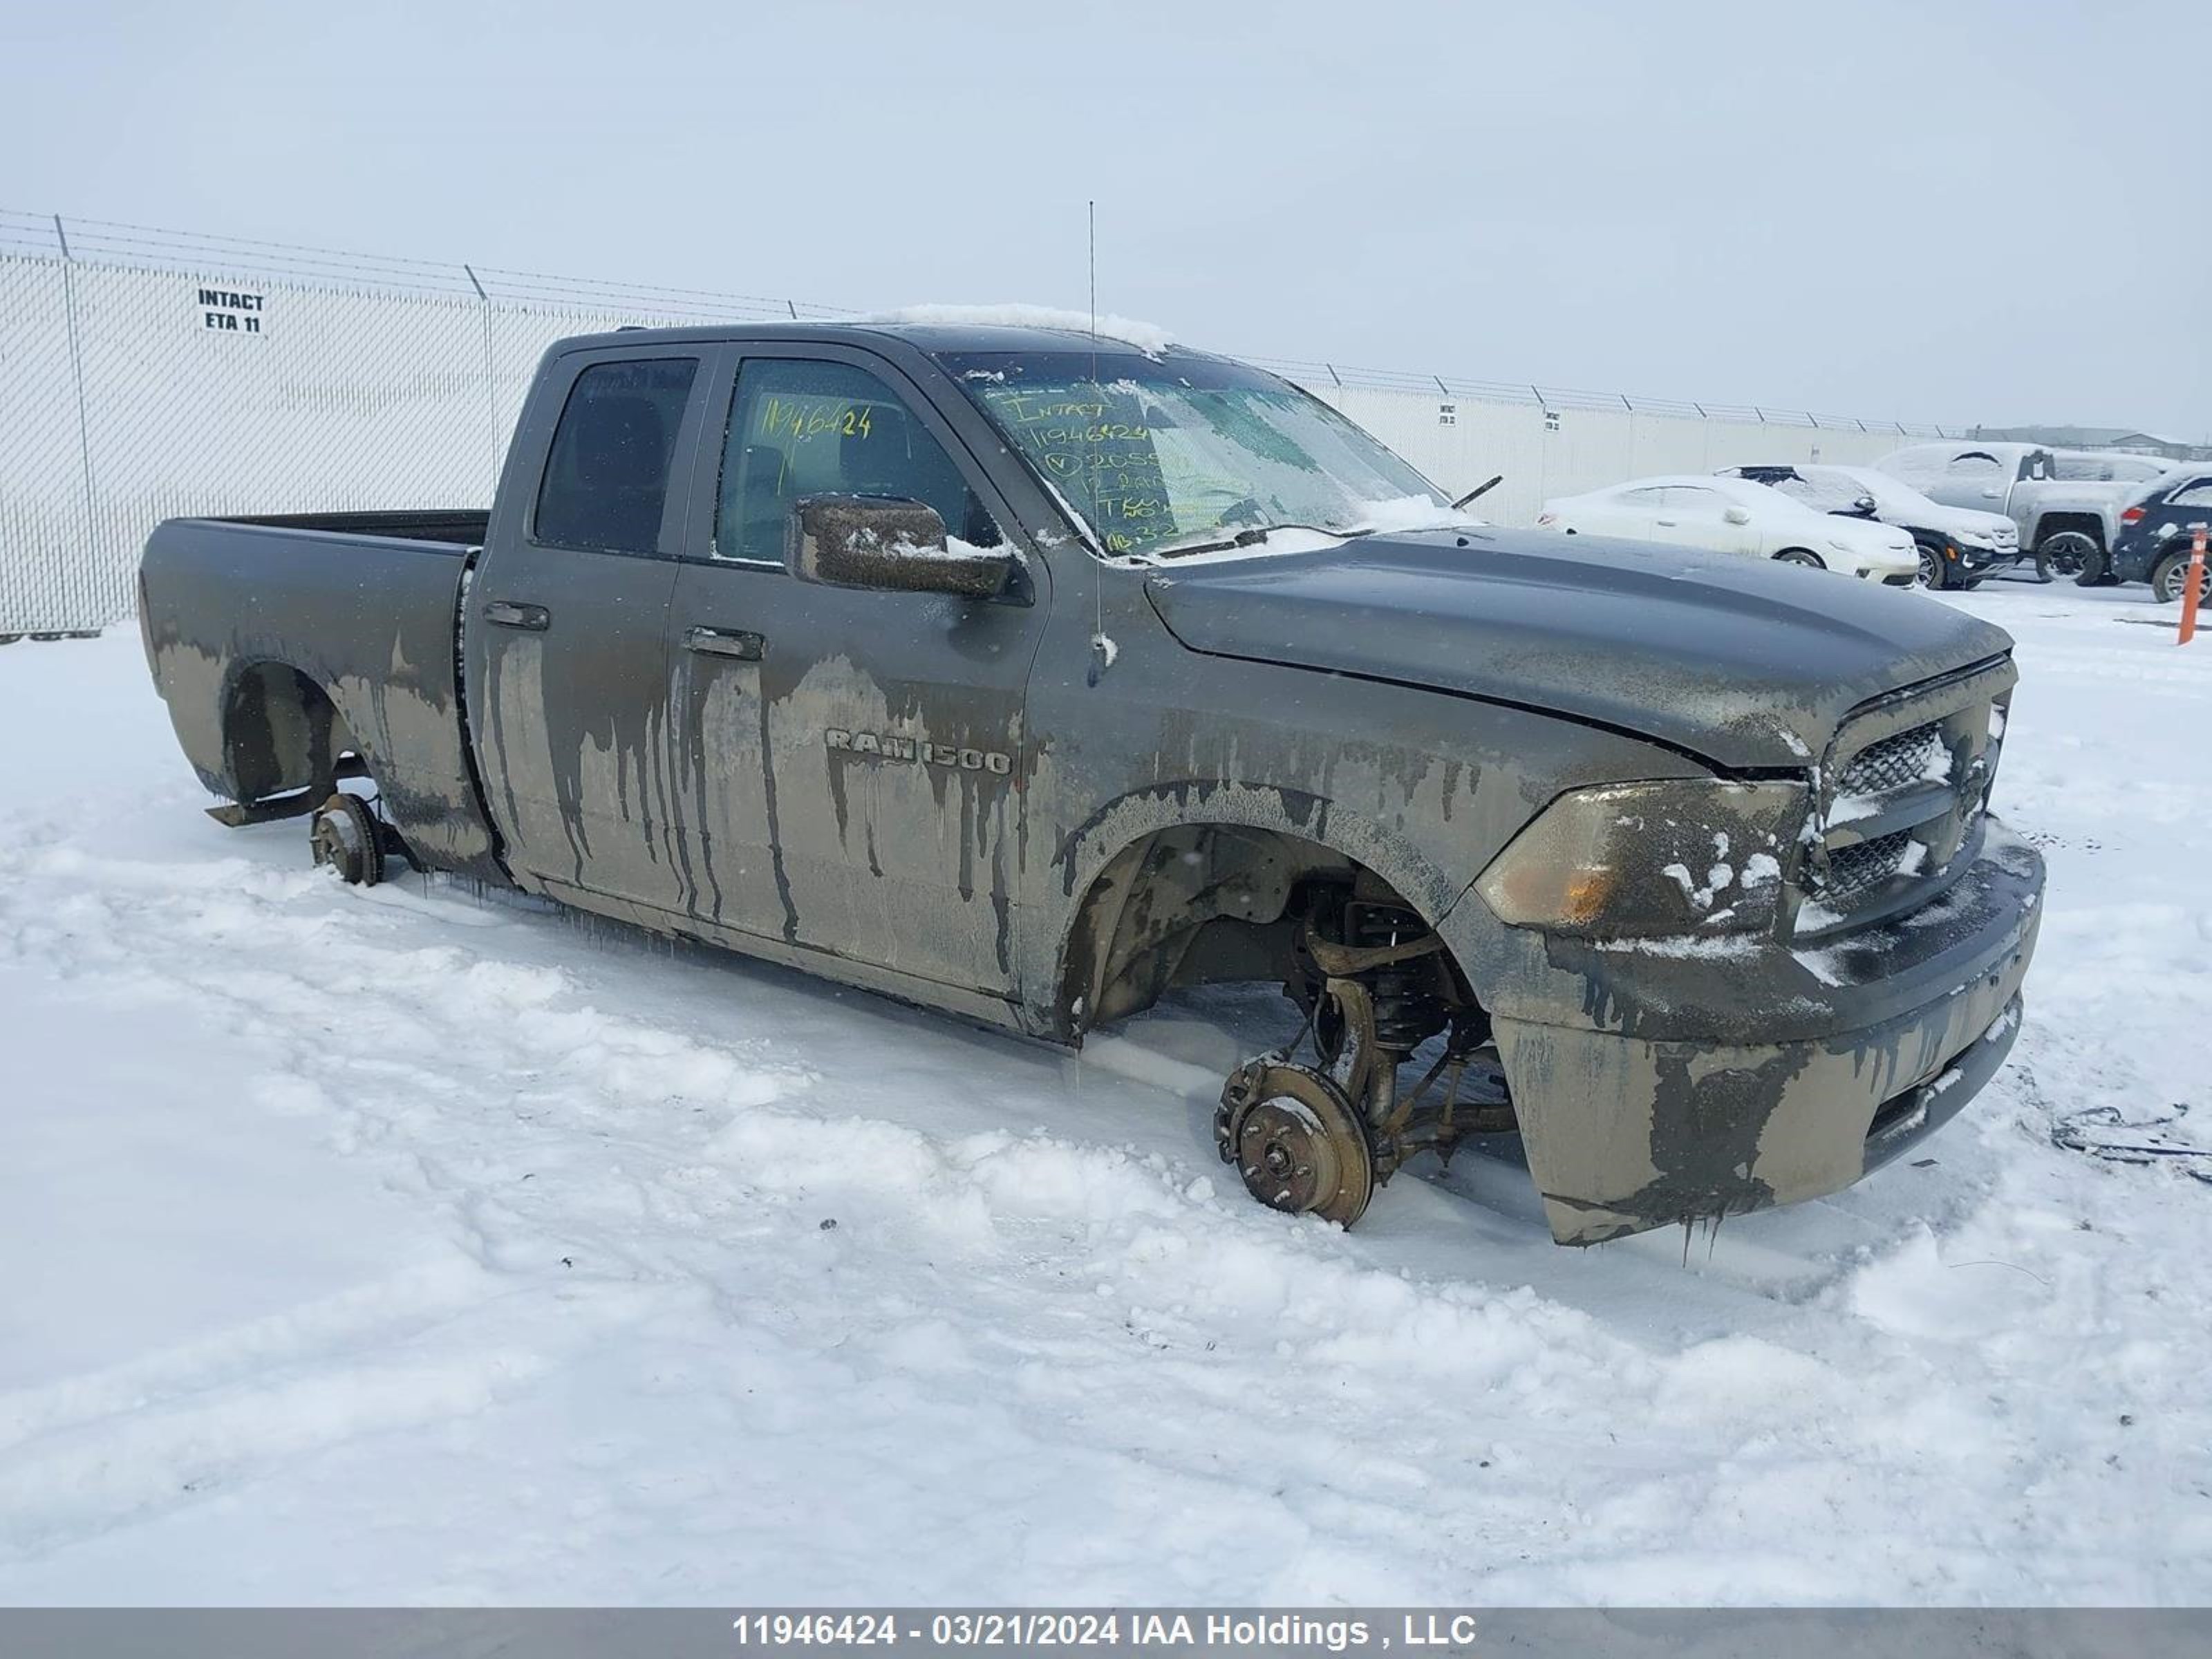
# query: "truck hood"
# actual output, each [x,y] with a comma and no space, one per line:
[1747,664]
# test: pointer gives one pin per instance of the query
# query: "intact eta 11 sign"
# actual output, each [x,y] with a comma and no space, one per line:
[229,312]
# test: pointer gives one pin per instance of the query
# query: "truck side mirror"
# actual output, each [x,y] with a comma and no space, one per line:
[871,541]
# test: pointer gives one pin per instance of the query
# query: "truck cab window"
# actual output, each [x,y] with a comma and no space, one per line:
[606,477]
[800,428]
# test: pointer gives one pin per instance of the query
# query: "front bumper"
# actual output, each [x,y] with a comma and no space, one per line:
[1900,569]
[1818,1066]
[1981,560]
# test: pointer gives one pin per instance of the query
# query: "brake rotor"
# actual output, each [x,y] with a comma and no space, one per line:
[1295,1139]
[343,834]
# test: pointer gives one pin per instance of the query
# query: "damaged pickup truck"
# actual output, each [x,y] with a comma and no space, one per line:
[1027,675]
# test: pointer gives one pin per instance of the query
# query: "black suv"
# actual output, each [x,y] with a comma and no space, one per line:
[2155,532]
[1959,547]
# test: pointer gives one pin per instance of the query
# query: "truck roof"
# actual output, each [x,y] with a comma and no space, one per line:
[932,337]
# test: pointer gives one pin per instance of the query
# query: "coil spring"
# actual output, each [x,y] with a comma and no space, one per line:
[1408,1011]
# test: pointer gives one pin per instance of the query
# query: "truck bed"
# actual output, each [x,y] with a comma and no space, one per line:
[308,636]
[454,529]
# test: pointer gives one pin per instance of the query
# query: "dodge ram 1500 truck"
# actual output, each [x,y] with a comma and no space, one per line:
[1027,675]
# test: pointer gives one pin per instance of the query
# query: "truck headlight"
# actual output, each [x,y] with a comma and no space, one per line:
[1657,860]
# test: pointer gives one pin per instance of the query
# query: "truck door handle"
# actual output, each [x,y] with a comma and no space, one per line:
[1667,524]
[508,614]
[726,642]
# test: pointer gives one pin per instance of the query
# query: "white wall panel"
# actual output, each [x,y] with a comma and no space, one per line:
[1589,447]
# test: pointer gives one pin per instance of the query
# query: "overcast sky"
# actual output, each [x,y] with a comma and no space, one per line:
[1959,212]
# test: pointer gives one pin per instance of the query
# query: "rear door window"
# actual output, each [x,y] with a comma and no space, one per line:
[606,476]
[2198,492]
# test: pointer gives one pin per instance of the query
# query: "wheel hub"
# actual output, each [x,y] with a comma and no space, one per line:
[343,835]
[1295,1139]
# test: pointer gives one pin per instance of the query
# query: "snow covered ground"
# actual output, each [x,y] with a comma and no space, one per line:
[406,1246]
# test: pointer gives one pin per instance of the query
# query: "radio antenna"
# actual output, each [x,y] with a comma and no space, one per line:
[1101,649]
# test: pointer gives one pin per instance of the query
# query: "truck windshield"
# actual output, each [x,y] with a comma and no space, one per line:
[1181,453]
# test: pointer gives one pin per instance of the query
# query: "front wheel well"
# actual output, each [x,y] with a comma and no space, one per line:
[1207,903]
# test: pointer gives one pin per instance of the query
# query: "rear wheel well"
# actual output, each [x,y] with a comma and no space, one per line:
[2053,524]
[281,733]
[1207,903]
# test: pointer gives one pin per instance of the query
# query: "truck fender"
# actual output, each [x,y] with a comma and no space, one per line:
[1145,874]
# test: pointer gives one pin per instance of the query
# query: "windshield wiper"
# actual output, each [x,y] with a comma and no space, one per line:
[1255,536]
[1251,538]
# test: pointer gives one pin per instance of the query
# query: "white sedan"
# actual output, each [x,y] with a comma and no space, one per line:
[1734,515]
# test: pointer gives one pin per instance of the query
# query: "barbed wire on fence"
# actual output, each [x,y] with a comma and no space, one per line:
[115,242]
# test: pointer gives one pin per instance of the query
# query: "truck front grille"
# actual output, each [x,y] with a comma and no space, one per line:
[1903,791]
[1892,762]
[1856,871]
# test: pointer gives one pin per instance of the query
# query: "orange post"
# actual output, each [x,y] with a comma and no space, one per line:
[2192,586]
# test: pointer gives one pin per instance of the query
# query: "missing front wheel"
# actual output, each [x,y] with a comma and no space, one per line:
[1376,988]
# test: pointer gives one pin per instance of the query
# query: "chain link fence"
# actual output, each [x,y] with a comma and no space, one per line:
[147,373]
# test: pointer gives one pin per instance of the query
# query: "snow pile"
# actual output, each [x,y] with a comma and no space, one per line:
[405,1246]
[1148,338]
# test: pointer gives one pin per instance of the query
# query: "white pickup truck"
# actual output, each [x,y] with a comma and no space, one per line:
[2067,502]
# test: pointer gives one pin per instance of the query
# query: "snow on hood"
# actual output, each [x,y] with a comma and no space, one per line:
[1962,521]
[1898,503]
[1148,338]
